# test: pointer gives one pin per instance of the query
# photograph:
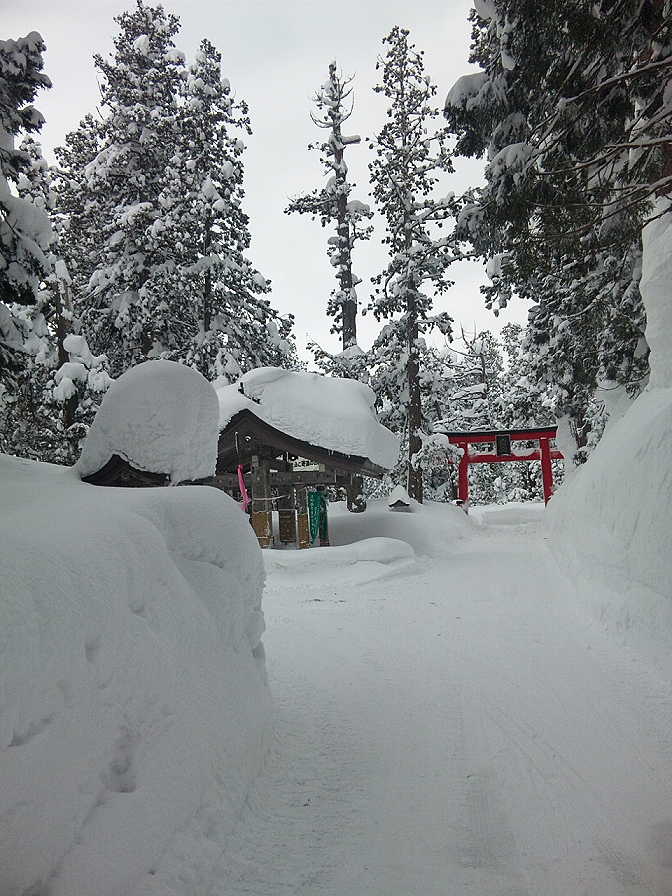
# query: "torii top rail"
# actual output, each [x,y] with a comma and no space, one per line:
[502,439]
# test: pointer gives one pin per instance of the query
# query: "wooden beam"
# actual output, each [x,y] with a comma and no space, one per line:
[230,480]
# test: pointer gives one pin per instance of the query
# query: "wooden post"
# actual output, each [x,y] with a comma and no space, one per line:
[546,469]
[302,519]
[262,516]
[287,518]
[463,476]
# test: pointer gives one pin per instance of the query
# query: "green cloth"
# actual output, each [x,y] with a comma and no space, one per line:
[317,510]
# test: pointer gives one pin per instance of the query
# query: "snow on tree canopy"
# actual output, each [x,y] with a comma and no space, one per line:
[161,417]
[329,412]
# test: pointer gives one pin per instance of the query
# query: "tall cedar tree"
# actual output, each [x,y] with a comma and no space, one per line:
[25,231]
[130,317]
[160,179]
[409,161]
[332,203]
[229,324]
[574,118]
[60,384]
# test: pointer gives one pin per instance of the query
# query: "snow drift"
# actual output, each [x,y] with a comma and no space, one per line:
[430,529]
[133,702]
[159,416]
[612,521]
[326,411]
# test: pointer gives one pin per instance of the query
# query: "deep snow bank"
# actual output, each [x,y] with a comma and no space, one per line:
[612,521]
[612,524]
[133,703]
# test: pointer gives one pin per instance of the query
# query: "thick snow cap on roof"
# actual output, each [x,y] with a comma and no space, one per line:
[329,412]
[159,416]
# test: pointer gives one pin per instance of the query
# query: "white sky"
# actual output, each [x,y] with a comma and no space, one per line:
[276,55]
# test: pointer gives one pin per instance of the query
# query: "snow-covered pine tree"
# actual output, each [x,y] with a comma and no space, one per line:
[573,115]
[25,231]
[409,162]
[161,177]
[129,313]
[58,388]
[79,210]
[332,205]
[230,326]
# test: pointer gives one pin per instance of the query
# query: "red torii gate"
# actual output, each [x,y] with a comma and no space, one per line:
[501,439]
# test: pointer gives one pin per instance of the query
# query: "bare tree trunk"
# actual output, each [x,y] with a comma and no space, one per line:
[414,403]
[348,303]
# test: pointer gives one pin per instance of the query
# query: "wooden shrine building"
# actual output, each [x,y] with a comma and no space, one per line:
[280,472]
[282,436]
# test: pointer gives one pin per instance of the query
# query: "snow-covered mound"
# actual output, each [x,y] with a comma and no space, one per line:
[159,416]
[431,529]
[133,703]
[655,289]
[356,563]
[613,521]
[329,412]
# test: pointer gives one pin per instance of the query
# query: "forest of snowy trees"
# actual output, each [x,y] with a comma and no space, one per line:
[135,244]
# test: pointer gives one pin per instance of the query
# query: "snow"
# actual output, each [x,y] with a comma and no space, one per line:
[448,716]
[655,289]
[467,90]
[330,412]
[133,704]
[398,495]
[458,726]
[159,416]
[612,521]
[429,530]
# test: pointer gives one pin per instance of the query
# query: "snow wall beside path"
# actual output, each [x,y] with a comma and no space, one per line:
[134,710]
[612,522]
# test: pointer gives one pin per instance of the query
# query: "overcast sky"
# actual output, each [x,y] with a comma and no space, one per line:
[276,54]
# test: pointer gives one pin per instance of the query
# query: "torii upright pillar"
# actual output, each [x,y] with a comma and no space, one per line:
[463,475]
[546,469]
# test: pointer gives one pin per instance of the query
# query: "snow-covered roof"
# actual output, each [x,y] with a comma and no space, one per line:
[160,417]
[327,412]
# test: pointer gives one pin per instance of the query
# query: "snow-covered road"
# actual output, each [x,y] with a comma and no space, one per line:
[456,728]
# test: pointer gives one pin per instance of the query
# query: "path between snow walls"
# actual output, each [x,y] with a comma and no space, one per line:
[134,708]
[451,724]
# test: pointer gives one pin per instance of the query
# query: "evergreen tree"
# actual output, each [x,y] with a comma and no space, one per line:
[230,324]
[130,316]
[409,161]
[60,383]
[573,117]
[332,203]
[161,178]
[79,210]
[25,232]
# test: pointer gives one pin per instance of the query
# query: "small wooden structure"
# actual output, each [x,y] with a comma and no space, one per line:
[279,472]
[501,440]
